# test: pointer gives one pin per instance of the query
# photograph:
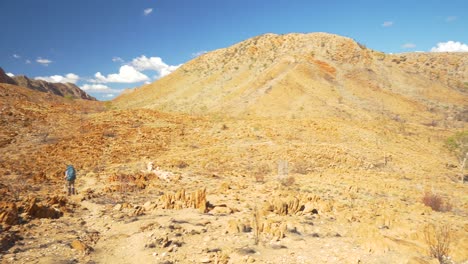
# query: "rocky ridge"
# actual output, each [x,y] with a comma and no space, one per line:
[60,89]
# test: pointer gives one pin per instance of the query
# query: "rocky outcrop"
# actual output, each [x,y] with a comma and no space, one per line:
[60,89]
[36,210]
[4,78]
[181,199]
[8,214]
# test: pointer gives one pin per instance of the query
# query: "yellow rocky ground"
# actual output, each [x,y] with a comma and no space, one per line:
[352,191]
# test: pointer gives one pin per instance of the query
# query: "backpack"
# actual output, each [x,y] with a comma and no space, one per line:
[71,174]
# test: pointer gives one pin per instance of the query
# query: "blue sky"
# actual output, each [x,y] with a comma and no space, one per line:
[107,45]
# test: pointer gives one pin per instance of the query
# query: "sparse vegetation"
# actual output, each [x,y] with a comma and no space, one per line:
[69,97]
[458,146]
[288,181]
[301,167]
[261,171]
[182,164]
[436,202]
[438,240]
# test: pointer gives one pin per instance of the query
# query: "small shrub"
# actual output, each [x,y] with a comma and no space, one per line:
[182,164]
[109,133]
[260,171]
[436,202]
[301,167]
[259,178]
[438,241]
[288,181]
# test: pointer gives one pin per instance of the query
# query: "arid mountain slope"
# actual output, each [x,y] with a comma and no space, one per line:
[311,75]
[60,89]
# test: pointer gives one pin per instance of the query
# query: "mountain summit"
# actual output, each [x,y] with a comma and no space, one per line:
[309,75]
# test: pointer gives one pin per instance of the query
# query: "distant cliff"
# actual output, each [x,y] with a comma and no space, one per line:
[61,89]
[5,78]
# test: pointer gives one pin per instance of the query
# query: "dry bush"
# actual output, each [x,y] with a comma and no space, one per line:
[182,164]
[109,133]
[436,202]
[18,186]
[261,171]
[301,167]
[259,178]
[287,181]
[438,240]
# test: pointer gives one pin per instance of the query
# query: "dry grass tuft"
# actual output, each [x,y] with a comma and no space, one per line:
[301,167]
[436,202]
[288,181]
[261,171]
[438,240]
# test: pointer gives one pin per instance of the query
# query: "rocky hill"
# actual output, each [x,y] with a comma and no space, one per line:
[311,75]
[61,89]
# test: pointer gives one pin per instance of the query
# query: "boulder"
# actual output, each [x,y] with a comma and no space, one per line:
[8,214]
[36,210]
[221,210]
[80,246]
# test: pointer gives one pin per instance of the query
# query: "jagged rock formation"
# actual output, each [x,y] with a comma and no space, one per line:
[181,199]
[61,89]
[4,78]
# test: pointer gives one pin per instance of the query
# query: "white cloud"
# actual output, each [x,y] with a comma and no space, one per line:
[387,24]
[409,46]
[451,18]
[147,11]
[16,56]
[450,46]
[69,78]
[110,95]
[143,63]
[10,74]
[44,62]
[28,61]
[127,74]
[98,88]
[199,53]
[117,59]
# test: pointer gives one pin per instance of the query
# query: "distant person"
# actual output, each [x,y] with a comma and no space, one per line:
[70,176]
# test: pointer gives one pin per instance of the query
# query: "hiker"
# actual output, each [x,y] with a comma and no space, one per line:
[70,176]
